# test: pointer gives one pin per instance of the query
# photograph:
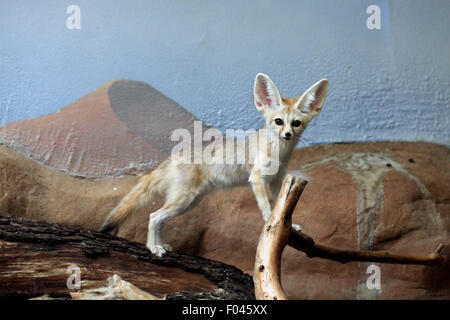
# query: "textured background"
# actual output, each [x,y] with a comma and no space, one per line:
[388,84]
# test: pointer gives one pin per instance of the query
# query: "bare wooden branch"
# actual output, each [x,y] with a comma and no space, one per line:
[273,239]
[278,233]
[305,243]
[115,289]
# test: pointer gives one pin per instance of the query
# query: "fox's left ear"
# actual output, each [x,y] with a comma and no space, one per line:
[313,98]
[266,93]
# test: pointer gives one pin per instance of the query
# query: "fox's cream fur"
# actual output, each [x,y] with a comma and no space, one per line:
[183,184]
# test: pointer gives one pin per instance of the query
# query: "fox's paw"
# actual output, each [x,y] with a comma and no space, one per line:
[160,249]
[167,247]
[297,227]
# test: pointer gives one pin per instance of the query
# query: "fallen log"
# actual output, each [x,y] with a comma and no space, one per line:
[39,258]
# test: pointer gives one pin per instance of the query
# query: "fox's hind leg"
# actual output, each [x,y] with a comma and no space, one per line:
[155,224]
[157,219]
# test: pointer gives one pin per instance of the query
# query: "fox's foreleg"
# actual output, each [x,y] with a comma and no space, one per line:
[275,187]
[259,189]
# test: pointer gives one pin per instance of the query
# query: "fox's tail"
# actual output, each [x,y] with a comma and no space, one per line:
[141,195]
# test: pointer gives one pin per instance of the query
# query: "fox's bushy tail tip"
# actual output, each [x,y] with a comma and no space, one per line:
[107,226]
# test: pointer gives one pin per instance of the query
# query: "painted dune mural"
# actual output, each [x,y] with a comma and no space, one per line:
[121,127]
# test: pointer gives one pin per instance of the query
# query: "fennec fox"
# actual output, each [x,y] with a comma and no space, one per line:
[183,183]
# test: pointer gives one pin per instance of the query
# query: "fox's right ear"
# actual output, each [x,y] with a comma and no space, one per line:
[312,100]
[266,93]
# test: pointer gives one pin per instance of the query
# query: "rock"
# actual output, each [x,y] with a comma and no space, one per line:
[28,189]
[371,196]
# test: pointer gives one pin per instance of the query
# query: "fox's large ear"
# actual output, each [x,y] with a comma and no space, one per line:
[313,98]
[266,93]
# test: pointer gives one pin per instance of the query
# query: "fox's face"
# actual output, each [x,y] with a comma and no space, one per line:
[287,118]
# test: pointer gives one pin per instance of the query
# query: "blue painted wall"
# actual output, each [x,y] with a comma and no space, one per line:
[388,84]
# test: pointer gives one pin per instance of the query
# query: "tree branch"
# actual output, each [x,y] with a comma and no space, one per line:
[305,243]
[273,239]
[278,233]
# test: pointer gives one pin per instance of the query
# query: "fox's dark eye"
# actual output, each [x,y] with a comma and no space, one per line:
[278,121]
[296,123]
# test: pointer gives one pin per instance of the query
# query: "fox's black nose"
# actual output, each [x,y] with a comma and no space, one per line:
[287,134]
